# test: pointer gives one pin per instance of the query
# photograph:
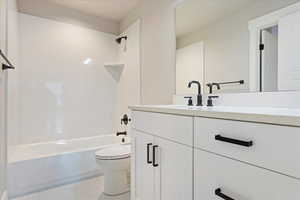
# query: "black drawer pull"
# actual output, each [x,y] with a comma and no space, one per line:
[234,141]
[154,156]
[148,153]
[219,193]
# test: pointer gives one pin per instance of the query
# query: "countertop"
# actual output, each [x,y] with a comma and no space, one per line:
[268,115]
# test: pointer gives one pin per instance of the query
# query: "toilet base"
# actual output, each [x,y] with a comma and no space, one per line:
[116,182]
[125,196]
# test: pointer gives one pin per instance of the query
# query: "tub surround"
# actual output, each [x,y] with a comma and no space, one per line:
[128,88]
[67,79]
[268,115]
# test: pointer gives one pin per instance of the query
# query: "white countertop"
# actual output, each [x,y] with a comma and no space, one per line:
[279,116]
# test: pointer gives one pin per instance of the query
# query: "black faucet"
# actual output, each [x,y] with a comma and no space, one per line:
[199,96]
[210,101]
[121,133]
[211,85]
[190,101]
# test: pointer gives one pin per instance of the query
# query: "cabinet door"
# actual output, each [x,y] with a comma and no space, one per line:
[142,172]
[174,173]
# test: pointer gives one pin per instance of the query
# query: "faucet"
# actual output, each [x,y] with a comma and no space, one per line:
[211,85]
[199,96]
[121,133]
[210,100]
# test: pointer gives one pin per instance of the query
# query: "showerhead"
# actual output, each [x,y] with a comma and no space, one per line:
[119,39]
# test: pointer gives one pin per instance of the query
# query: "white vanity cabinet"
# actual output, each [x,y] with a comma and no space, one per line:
[162,157]
[187,156]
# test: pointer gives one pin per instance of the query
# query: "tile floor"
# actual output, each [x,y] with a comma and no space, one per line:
[90,189]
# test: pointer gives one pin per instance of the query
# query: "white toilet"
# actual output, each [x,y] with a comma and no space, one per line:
[115,163]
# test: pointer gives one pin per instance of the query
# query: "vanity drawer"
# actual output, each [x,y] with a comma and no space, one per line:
[274,147]
[172,127]
[239,180]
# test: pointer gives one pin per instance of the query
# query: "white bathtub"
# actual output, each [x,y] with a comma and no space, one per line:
[36,167]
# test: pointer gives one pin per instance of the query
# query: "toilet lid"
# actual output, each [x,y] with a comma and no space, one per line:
[115,152]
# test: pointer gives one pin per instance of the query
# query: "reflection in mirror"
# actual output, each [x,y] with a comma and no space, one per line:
[235,46]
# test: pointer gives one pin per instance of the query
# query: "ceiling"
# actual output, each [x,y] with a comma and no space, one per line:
[192,15]
[109,9]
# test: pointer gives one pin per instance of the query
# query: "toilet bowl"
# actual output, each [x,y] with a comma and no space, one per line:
[115,163]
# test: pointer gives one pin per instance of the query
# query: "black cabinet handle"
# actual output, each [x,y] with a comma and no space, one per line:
[234,141]
[219,193]
[148,153]
[154,156]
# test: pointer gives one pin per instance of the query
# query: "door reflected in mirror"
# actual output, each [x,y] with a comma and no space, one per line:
[234,46]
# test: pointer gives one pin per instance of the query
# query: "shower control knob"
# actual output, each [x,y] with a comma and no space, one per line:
[125,119]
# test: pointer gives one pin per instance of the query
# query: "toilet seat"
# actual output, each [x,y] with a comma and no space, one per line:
[114,153]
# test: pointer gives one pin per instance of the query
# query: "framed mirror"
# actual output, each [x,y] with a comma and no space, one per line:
[235,46]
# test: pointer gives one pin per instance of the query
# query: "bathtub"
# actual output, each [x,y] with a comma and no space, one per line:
[36,167]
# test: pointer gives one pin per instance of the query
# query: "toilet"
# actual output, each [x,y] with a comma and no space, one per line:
[115,163]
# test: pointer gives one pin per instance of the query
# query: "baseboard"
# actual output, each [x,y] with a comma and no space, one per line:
[4,196]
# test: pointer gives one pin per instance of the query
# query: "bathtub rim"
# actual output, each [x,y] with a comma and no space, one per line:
[11,153]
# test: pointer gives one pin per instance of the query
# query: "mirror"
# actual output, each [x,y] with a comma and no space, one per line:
[234,46]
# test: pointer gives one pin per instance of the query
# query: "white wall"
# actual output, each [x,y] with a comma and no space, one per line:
[129,90]
[13,75]
[60,96]
[288,58]
[3,79]
[158,44]
[189,67]
[8,41]
[227,44]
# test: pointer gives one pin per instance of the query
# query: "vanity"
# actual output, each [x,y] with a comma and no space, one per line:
[201,153]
